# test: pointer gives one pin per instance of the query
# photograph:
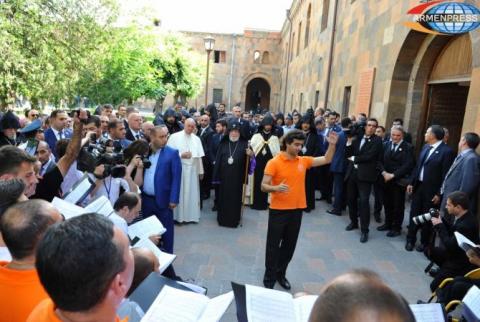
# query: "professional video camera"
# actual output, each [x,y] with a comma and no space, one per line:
[106,152]
[421,219]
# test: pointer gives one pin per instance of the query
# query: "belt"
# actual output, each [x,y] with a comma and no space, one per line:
[148,196]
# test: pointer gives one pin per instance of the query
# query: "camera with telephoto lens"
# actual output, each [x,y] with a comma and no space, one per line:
[421,219]
[106,152]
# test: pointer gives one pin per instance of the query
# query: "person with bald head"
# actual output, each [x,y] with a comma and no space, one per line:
[191,152]
[360,296]
[23,226]
[134,131]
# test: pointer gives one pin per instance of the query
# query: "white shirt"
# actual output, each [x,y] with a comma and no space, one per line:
[71,177]
[5,254]
[136,135]
[110,188]
[119,222]
[434,147]
[57,133]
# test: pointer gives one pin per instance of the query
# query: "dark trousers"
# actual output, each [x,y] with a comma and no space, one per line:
[394,203]
[358,194]
[149,208]
[206,183]
[448,267]
[421,203]
[338,186]
[282,235]
[456,290]
[325,181]
[378,192]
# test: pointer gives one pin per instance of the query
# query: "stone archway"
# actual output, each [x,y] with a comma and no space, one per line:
[257,92]
[410,90]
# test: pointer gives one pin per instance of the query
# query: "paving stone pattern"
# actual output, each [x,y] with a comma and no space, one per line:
[213,256]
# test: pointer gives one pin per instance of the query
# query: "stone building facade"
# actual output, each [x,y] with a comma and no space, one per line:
[353,56]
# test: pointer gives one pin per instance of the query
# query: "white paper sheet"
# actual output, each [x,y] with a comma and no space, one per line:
[100,205]
[431,312]
[216,308]
[176,305]
[79,190]
[146,228]
[303,306]
[472,301]
[268,305]
[463,241]
[67,209]
[165,259]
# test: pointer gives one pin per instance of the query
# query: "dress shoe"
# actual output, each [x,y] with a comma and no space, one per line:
[364,238]
[409,246]
[377,218]
[351,226]
[420,248]
[282,280]
[393,233]
[384,227]
[433,272]
[334,212]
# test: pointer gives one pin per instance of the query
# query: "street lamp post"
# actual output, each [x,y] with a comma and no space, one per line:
[209,42]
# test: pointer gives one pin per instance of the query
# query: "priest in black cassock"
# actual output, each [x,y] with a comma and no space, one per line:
[311,147]
[265,145]
[229,173]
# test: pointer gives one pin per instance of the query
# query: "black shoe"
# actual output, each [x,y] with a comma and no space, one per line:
[409,246]
[377,218]
[351,226]
[334,212]
[214,208]
[364,238]
[269,285]
[282,280]
[420,248]
[384,227]
[393,233]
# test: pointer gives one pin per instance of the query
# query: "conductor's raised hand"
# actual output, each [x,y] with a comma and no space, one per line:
[332,138]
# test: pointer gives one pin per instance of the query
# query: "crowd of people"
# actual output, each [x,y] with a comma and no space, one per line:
[82,267]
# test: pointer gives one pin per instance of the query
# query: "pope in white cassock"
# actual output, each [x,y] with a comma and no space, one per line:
[191,152]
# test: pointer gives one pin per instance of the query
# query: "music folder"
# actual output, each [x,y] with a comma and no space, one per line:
[80,190]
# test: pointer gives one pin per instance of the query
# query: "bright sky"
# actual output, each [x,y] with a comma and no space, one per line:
[225,16]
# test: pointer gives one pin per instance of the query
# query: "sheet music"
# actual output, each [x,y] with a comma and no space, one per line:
[79,190]
[67,209]
[100,205]
[472,300]
[303,306]
[165,259]
[193,287]
[268,305]
[216,308]
[176,305]
[431,312]
[146,228]
[463,241]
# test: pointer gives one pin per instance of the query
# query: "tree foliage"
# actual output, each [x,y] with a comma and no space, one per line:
[55,50]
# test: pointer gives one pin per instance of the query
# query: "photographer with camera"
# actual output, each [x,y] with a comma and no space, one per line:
[451,259]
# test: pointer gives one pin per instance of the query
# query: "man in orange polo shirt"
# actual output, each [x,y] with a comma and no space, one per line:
[86,267]
[22,226]
[284,179]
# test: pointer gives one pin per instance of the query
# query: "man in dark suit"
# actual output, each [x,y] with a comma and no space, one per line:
[464,174]
[134,130]
[406,137]
[161,184]
[245,130]
[57,129]
[425,182]
[220,131]
[365,152]
[398,163]
[44,155]
[451,259]
[337,170]
[116,132]
[205,133]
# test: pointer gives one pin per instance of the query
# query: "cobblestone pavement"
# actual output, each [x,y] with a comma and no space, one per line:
[214,256]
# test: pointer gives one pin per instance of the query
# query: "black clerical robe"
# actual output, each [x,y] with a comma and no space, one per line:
[310,148]
[230,176]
